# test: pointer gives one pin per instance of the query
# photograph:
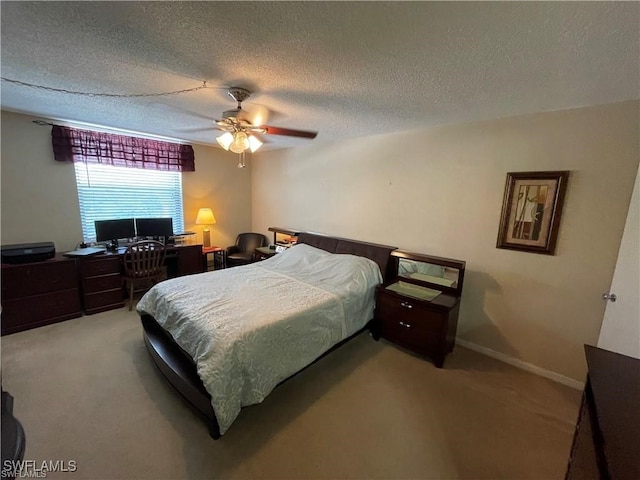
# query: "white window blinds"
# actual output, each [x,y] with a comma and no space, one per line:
[106,192]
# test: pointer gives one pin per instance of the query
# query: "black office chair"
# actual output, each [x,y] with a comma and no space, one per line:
[143,266]
[242,252]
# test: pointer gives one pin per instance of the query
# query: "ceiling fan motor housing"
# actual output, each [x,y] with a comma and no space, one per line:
[239,94]
[235,113]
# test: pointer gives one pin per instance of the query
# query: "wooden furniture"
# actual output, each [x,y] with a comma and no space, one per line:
[143,266]
[219,258]
[282,231]
[180,370]
[100,283]
[408,316]
[50,291]
[183,260]
[607,435]
[262,253]
[37,294]
[101,276]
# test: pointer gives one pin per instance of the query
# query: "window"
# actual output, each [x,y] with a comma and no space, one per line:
[106,192]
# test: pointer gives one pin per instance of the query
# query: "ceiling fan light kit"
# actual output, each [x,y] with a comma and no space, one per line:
[238,142]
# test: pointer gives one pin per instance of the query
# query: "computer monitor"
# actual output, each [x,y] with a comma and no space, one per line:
[112,230]
[154,227]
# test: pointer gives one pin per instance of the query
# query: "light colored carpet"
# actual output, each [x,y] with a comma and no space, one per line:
[86,390]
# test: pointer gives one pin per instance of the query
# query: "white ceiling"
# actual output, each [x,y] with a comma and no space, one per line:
[343,69]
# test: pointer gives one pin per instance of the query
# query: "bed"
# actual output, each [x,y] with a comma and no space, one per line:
[225,339]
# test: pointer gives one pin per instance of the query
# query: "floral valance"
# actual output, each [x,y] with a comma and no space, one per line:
[74,145]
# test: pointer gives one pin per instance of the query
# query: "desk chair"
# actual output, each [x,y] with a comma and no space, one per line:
[143,266]
[242,252]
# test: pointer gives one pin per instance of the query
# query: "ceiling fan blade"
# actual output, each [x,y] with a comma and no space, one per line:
[288,132]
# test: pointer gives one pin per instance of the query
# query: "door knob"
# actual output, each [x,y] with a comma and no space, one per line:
[609,296]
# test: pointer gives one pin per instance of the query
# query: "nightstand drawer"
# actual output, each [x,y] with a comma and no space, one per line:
[394,310]
[408,334]
[425,327]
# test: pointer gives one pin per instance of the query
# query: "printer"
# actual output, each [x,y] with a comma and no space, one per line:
[27,252]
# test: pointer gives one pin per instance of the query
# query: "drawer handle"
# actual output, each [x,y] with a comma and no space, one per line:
[407,325]
[406,305]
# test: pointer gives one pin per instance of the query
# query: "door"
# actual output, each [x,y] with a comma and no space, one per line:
[620,330]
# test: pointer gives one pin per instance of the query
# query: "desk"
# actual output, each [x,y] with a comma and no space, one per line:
[41,293]
[101,282]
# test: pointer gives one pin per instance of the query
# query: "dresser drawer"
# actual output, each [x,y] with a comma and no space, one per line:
[23,313]
[99,266]
[36,278]
[102,282]
[95,302]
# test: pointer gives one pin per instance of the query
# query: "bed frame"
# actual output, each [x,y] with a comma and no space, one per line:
[180,370]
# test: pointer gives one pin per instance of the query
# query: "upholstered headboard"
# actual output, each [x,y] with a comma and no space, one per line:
[373,251]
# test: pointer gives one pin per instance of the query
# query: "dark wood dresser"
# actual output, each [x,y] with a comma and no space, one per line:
[101,280]
[101,283]
[37,294]
[606,443]
[408,316]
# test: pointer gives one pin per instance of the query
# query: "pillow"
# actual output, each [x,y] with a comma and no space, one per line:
[308,251]
[297,256]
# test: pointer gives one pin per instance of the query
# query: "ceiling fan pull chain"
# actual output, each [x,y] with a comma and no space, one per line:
[241,160]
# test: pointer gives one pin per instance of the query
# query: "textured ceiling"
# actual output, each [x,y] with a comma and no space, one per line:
[344,69]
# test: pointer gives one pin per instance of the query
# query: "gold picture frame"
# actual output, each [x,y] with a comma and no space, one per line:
[531,211]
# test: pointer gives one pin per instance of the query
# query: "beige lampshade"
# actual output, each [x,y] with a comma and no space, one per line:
[205,217]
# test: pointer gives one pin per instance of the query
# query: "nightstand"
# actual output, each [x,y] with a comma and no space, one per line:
[418,308]
[262,253]
[219,258]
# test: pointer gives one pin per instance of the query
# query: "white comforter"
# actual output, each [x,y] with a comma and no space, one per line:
[250,327]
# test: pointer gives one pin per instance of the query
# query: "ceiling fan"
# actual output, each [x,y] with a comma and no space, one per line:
[239,130]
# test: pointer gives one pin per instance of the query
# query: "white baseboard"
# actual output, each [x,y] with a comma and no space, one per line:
[529,367]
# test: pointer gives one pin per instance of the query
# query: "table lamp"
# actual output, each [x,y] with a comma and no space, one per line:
[205,217]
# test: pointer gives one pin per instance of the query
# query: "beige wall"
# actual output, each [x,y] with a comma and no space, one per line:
[441,194]
[218,183]
[40,200]
[439,191]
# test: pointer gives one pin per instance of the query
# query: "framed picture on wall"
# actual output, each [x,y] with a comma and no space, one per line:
[531,211]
